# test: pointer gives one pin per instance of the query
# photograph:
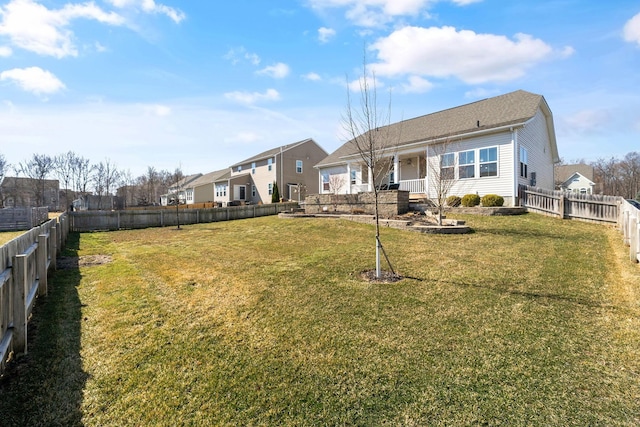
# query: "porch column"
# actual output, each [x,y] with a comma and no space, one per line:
[348,177]
[370,179]
[396,170]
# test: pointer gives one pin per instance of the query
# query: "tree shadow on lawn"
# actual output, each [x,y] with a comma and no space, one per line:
[45,386]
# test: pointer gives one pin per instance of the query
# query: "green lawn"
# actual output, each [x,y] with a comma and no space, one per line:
[528,321]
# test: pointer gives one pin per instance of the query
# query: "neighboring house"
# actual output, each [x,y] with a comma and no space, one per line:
[30,193]
[180,192]
[203,189]
[576,178]
[290,166]
[485,147]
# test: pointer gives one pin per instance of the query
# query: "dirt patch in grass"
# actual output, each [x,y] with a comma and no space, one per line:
[68,263]
[385,276]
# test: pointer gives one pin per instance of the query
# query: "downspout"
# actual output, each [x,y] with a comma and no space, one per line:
[516,154]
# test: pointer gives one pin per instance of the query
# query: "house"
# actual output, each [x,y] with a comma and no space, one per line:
[490,146]
[30,193]
[577,178]
[203,189]
[91,202]
[178,193]
[289,166]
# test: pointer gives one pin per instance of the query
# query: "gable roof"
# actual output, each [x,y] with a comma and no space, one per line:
[511,109]
[210,178]
[564,172]
[274,151]
[567,182]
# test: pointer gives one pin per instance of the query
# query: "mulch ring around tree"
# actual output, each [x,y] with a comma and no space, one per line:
[68,263]
[385,276]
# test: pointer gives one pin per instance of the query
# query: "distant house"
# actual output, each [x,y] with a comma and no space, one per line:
[30,193]
[289,166]
[92,202]
[180,192]
[487,147]
[577,178]
[203,189]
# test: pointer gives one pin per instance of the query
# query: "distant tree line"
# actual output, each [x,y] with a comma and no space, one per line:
[618,177]
[77,176]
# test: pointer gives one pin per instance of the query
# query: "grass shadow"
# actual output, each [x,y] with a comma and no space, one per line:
[45,386]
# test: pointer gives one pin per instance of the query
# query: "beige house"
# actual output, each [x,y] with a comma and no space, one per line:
[289,166]
[181,192]
[490,146]
[203,189]
[30,193]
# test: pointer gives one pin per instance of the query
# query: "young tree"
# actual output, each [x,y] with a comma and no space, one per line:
[65,165]
[178,179]
[105,177]
[441,164]
[370,133]
[336,182]
[275,195]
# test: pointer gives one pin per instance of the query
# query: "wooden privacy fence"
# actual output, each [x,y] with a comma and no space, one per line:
[130,219]
[24,264]
[12,219]
[630,228]
[587,207]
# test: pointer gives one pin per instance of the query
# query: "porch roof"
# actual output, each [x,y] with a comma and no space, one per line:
[514,108]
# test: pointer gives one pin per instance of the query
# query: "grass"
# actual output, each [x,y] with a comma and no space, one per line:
[6,236]
[527,321]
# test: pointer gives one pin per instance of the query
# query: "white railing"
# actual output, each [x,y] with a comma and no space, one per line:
[414,186]
[629,224]
[359,188]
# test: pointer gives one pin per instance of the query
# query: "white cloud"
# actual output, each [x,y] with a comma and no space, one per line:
[314,77]
[31,26]
[235,55]
[325,34]
[417,84]
[587,120]
[374,13]
[251,98]
[631,30]
[371,84]
[445,52]
[150,6]
[158,110]
[277,71]
[33,79]
[5,51]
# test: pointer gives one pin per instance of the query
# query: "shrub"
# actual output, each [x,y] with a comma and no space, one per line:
[470,200]
[492,200]
[453,201]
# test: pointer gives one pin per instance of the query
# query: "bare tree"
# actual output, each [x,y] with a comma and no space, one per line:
[105,178]
[81,175]
[4,166]
[441,172]
[178,179]
[369,132]
[38,169]
[336,182]
[65,165]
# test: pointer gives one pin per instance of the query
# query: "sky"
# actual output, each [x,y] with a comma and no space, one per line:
[201,85]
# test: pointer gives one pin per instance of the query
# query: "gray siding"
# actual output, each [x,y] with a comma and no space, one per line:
[534,136]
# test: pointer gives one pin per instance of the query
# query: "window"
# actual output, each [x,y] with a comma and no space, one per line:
[489,162]
[467,164]
[447,166]
[190,195]
[269,164]
[325,181]
[270,188]
[239,168]
[353,177]
[298,166]
[253,168]
[524,162]
[253,191]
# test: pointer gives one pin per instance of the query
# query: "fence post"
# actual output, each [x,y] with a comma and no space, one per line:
[561,206]
[42,264]
[53,246]
[634,231]
[19,304]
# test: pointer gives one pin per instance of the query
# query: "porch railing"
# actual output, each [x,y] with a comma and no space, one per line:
[415,186]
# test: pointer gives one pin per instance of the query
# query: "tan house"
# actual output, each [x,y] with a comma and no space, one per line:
[289,166]
[178,192]
[30,193]
[490,146]
[203,189]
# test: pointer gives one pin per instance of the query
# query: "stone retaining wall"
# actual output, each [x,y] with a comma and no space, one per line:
[390,203]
